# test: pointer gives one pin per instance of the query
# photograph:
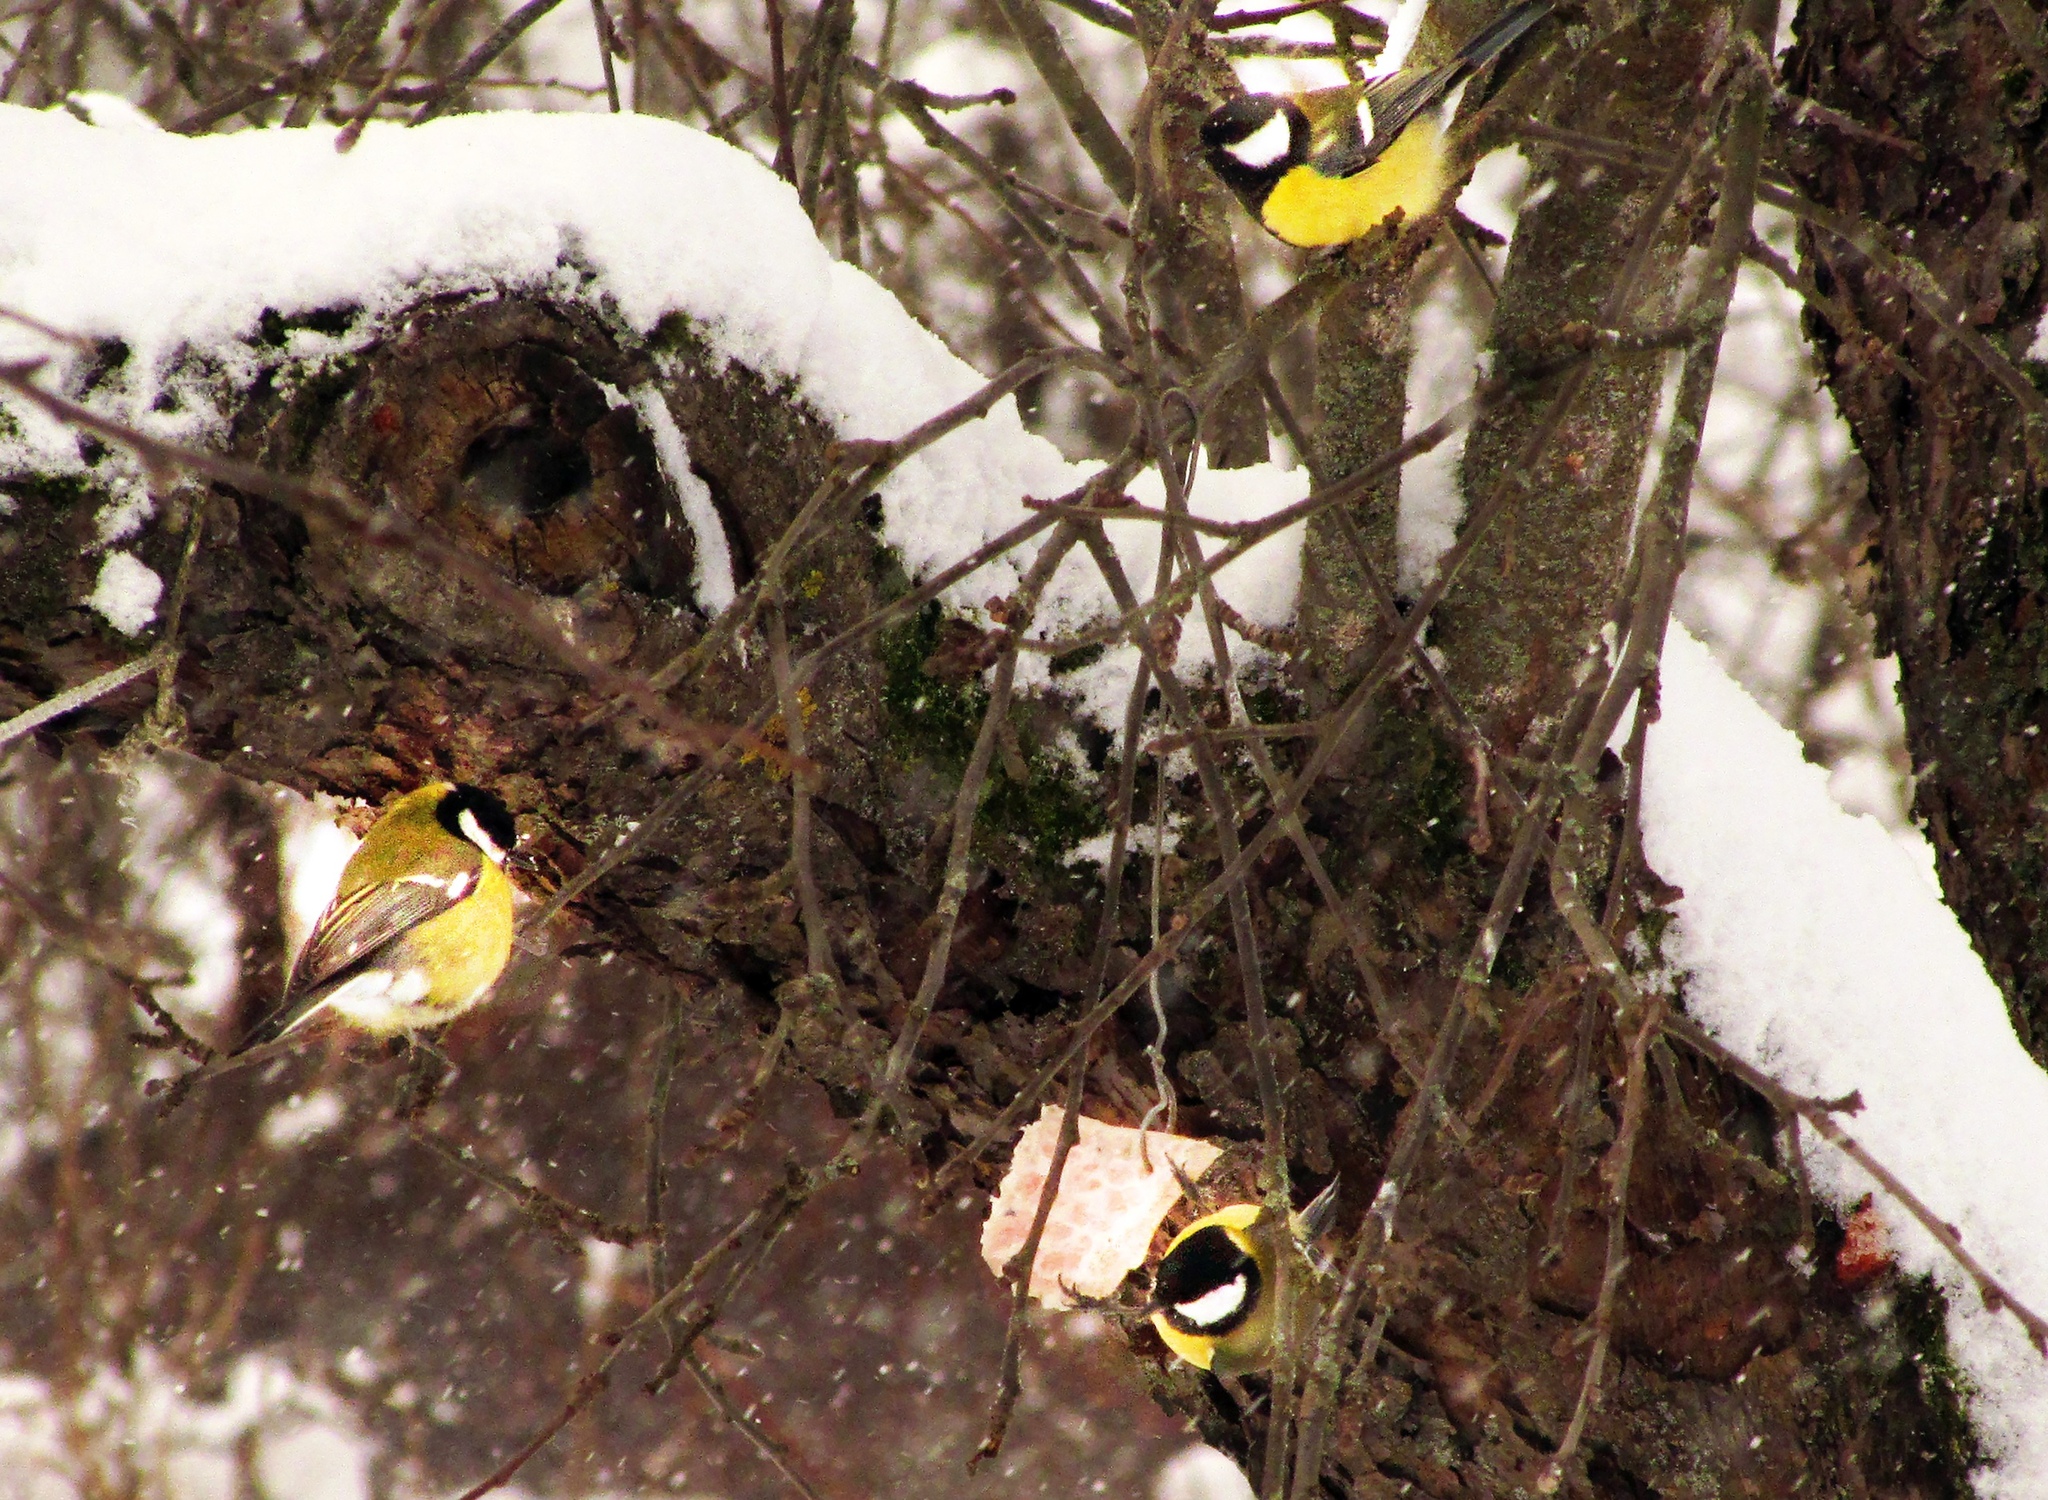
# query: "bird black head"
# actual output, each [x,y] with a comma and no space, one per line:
[1252,141]
[470,812]
[1208,1284]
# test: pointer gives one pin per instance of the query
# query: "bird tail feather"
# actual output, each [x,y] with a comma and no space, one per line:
[1501,35]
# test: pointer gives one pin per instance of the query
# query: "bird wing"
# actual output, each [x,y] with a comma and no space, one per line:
[355,933]
[1342,145]
[1385,106]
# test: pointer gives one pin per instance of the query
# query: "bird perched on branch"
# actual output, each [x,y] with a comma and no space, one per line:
[1213,1296]
[1326,167]
[419,928]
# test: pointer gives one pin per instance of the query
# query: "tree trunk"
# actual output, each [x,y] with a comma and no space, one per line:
[321,660]
[1936,140]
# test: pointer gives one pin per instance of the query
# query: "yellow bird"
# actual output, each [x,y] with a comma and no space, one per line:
[420,927]
[1326,167]
[1213,1294]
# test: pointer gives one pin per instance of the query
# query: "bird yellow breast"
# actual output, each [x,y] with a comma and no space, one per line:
[467,946]
[1196,1351]
[1307,208]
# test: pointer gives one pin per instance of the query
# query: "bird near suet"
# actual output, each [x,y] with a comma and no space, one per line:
[420,926]
[1327,167]
[1214,1295]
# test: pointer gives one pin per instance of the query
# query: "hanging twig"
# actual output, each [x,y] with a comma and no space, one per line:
[775,1453]
[1009,1384]
[1641,1015]
[758,1227]
[358,35]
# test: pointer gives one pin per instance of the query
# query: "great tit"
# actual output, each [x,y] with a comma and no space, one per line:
[420,926]
[1326,167]
[1213,1295]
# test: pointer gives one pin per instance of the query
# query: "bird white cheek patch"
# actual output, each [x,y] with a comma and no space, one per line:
[1107,1210]
[474,832]
[1264,146]
[1211,1308]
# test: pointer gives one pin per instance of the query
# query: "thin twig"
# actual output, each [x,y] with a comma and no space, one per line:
[607,44]
[1644,1014]
[654,1171]
[72,699]
[775,1453]
[1820,1114]
[358,35]
[408,38]
[1009,1383]
[785,141]
[1071,92]
[759,1225]
[907,100]
[449,90]
[236,101]
[824,976]
[562,1221]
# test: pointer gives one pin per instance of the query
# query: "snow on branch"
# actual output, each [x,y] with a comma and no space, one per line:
[1815,949]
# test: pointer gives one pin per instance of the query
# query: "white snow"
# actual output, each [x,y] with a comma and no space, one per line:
[126,593]
[313,850]
[1444,331]
[183,876]
[1262,587]
[1442,372]
[124,514]
[302,1117]
[1199,1472]
[1403,27]
[303,1439]
[711,578]
[1817,950]
[184,244]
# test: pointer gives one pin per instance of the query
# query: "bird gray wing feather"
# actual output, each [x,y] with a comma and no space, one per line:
[354,934]
[1394,102]
[1397,99]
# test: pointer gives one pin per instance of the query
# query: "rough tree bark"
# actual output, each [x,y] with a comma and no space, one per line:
[317,661]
